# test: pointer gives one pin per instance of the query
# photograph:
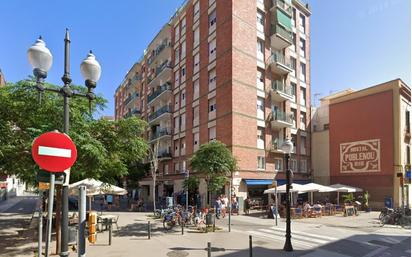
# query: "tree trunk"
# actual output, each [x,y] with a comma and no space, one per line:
[154,194]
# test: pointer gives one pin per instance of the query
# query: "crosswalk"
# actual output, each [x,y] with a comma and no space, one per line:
[300,240]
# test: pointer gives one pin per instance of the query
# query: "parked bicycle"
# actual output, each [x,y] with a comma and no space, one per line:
[398,216]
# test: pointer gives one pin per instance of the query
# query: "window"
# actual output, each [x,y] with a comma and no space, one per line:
[293,165]
[177,167]
[196,116]
[294,41]
[196,63]
[183,24]
[212,21]
[293,90]
[211,2]
[196,37]
[293,118]
[303,72]
[408,121]
[166,168]
[212,79]
[260,138]
[260,21]
[293,63]
[195,141]
[303,166]
[302,47]
[177,55]
[302,145]
[183,151]
[196,89]
[183,71]
[260,80]
[260,50]
[177,102]
[176,147]
[212,133]
[260,106]
[212,50]
[212,105]
[177,33]
[183,122]
[278,164]
[177,79]
[196,8]
[183,97]
[261,162]
[302,121]
[302,21]
[303,96]
[294,141]
[408,154]
[177,125]
[183,52]
[294,16]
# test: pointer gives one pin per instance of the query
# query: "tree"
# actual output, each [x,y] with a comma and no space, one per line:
[191,184]
[154,167]
[215,161]
[105,148]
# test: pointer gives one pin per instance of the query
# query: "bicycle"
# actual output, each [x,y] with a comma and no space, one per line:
[396,216]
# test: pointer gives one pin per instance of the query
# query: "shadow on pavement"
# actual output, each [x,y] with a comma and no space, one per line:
[137,230]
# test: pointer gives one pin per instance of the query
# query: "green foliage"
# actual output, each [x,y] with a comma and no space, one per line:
[348,198]
[191,184]
[105,148]
[215,184]
[366,199]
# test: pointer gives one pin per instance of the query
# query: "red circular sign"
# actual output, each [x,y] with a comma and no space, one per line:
[54,151]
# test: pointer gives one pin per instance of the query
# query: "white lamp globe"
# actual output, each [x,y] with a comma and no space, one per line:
[90,68]
[39,56]
[287,146]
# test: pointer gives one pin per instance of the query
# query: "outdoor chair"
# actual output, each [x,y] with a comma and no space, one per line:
[114,221]
[298,213]
[338,209]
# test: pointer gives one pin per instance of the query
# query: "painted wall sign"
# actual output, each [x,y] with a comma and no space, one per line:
[360,156]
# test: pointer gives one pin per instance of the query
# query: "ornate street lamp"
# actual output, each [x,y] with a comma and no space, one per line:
[41,60]
[287,148]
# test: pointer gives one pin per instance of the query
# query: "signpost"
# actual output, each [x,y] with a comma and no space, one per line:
[54,152]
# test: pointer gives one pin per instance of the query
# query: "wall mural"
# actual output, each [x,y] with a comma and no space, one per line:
[360,156]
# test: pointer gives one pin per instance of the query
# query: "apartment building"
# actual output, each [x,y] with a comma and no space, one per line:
[362,139]
[235,71]
[2,79]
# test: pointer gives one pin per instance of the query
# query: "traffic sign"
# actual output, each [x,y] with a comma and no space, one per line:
[54,151]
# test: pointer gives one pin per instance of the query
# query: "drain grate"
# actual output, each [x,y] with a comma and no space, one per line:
[177,253]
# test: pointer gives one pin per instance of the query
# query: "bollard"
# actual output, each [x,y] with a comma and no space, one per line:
[209,249]
[183,229]
[149,230]
[250,246]
[110,233]
[214,223]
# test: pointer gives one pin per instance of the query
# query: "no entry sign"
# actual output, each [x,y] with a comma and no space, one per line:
[54,151]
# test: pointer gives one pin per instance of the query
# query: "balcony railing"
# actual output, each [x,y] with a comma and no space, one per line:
[161,111]
[279,58]
[135,111]
[277,29]
[277,144]
[164,154]
[158,50]
[161,132]
[278,85]
[282,116]
[166,86]
[283,5]
[164,65]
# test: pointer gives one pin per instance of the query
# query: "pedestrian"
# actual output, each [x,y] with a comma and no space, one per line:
[109,200]
[218,207]
[225,204]
[247,205]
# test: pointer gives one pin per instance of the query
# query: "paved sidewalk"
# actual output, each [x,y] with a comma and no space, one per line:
[4,205]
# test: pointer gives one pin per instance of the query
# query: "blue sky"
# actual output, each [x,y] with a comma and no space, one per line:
[354,43]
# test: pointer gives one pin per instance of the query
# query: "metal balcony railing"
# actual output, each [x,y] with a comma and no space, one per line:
[164,65]
[282,116]
[166,86]
[161,132]
[158,50]
[164,154]
[162,110]
[279,58]
[283,5]
[277,29]
[278,85]
[130,98]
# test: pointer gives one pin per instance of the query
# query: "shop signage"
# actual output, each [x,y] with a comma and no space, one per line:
[360,156]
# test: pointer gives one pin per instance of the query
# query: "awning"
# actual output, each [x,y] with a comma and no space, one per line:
[254,182]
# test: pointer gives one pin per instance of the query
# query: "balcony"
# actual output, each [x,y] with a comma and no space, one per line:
[130,98]
[158,50]
[166,87]
[281,120]
[164,155]
[280,37]
[279,65]
[160,113]
[161,134]
[276,145]
[280,92]
[281,5]
[134,111]
[162,72]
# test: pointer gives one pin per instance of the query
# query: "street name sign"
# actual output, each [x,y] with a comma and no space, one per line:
[54,151]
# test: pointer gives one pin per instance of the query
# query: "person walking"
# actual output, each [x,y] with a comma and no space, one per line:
[225,205]
[218,207]
[247,205]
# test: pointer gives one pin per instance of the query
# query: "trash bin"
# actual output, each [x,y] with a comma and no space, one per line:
[388,202]
[209,219]
[72,235]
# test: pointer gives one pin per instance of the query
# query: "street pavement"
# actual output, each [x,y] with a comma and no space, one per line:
[336,236]
[17,232]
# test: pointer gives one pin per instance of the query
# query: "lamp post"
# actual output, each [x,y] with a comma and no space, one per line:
[187,190]
[41,60]
[287,148]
